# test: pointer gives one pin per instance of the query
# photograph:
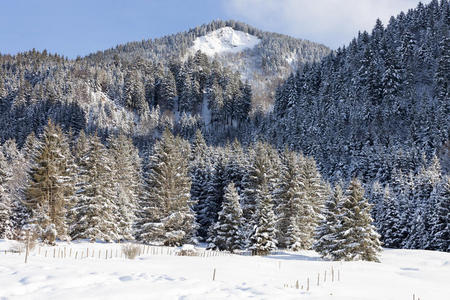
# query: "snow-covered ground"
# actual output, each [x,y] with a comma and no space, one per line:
[222,40]
[401,274]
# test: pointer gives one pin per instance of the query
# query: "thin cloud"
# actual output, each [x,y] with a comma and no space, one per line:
[332,22]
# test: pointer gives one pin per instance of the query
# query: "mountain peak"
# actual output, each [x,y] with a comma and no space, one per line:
[225,39]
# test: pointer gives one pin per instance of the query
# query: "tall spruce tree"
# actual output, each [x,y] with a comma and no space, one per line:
[167,212]
[6,226]
[255,179]
[389,221]
[199,170]
[51,187]
[228,228]
[327,230]
[289,196]
[440,229]
[127,183]
[95,210]
[356,236]
[312,203]
[263,239]
[216,189]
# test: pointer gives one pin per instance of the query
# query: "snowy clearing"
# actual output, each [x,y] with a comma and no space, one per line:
[401,274]
[223,40]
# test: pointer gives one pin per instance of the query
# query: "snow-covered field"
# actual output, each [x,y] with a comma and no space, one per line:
[401,274]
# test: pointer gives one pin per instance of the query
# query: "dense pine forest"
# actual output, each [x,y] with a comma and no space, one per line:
[150,142]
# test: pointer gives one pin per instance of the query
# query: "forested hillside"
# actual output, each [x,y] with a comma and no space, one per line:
[156,142]
[377,104]
[138,87]
[379,109]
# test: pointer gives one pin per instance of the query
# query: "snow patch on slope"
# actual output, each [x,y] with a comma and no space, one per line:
[224,40]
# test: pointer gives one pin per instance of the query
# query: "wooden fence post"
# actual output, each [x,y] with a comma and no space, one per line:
[28,246]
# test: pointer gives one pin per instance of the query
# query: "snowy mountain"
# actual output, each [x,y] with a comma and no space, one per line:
[265,59]
[224,40]
[245,53]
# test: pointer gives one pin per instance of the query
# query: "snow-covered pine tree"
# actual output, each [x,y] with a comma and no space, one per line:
[326,232]
[236,164]
[185,99]
[289,195]
[263,239]
[167,216]
[312,203]
[440,230]
[18,166]
[167,91]
[216,189]
[228,228]
[6,226]
[254,177]
[441,81]
[389,221]
[51,187]
[80,149]
[375,197]
[95,209]
[402,188]
[424,184]
[199,170]
[127,183]
[256,182]
[134,92]
[356,238]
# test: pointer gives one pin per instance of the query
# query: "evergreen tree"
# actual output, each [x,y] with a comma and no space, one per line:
[263,240]
[134,92]
[167,215]
[442,86]
[199,170]
[186,97]
[256,182]
[421,207]
[51,188]
[6,226]
[311,206]
[227,230]
[95,210]
[290,195]
[440,231]
[356,238]
[167,91]
[127,181]
[327,230]
[236,165]
[216,190]
[389,221]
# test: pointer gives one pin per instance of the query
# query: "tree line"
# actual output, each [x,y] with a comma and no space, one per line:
[85,188]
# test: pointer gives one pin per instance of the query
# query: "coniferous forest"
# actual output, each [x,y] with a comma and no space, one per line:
[349,152]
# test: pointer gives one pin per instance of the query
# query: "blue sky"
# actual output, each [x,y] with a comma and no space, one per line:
[79,27]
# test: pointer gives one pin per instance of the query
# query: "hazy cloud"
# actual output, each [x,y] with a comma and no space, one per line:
[332,22]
